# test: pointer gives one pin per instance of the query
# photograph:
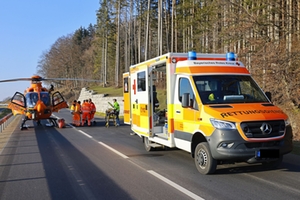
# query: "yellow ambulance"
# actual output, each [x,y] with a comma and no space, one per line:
[213,109]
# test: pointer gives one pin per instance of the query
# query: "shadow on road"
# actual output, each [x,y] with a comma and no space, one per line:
[61,178]
[290,164]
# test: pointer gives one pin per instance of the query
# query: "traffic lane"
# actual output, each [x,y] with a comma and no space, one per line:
[109,175]
[179,167]
[40,163]
[21,168]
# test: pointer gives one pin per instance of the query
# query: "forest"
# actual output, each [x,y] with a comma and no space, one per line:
[263,33]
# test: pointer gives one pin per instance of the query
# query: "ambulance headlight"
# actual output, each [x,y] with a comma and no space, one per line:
[219,124]
[287,122]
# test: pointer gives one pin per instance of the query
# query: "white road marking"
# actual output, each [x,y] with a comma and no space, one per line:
[171,183]
[176,186]
[87,135]
[112,149]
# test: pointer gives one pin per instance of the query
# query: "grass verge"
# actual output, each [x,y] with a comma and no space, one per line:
[4,112]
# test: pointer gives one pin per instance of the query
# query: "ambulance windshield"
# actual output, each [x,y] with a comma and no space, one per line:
[216,89]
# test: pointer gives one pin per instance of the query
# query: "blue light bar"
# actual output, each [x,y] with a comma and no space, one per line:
[192,55]
[230,56]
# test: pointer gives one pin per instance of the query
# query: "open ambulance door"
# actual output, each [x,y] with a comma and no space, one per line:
[139,95]
[156,126]
[126,98]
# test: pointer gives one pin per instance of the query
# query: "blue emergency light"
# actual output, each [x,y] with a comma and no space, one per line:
[192,55]
[230,56]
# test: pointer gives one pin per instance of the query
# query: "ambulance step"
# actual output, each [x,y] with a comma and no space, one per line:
[155,145]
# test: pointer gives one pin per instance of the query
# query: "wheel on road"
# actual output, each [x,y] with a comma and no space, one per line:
[147,144]
[204,162]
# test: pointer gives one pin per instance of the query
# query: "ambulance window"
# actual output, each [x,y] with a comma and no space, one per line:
[141,80]
[207,85]
[125,85]
[228,88]
[185,87]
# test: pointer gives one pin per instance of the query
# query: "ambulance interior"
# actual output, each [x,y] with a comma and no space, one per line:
[159,105]
[220,89]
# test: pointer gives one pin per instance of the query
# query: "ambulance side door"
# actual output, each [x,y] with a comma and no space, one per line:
[185,118]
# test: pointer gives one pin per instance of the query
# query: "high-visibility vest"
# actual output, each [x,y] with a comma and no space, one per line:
[86,107]
[116,106]
[78,108]
[93,107]
[72,107]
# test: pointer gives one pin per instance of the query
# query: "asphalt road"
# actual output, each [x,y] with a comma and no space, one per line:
[109,163]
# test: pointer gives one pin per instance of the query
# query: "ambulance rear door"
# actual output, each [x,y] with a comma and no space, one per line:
[140,110]
[126,97]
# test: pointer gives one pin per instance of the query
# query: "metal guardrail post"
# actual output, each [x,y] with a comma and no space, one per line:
[4,122]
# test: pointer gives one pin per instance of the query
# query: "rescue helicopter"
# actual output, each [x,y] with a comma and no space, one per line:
[37,102]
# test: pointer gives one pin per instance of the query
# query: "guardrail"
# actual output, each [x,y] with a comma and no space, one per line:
[4,122]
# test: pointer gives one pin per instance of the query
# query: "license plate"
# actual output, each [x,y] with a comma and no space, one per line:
[267,153]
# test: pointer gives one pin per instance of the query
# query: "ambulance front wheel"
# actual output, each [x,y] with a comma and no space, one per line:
[147,144]
[204,162]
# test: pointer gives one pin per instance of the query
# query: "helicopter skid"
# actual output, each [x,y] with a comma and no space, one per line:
[52,120]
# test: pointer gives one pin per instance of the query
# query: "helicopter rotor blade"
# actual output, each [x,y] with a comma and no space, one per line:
[71,79]
[16,79]
[38,78]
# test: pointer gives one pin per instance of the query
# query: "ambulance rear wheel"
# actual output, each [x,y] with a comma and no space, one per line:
[147,144]
[204,162]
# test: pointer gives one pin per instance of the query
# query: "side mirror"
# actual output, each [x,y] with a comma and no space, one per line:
[185,101]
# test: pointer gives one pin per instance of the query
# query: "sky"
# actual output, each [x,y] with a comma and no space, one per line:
[29,28]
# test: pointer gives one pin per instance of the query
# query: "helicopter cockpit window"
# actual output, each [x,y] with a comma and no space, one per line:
[31,99]
[45,97]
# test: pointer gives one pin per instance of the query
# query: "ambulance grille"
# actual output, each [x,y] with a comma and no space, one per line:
[263,129]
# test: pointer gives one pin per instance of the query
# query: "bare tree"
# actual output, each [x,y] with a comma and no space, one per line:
[117,66]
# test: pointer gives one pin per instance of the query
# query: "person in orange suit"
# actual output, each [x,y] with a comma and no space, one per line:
[93,111]
[77,113]
[86,112]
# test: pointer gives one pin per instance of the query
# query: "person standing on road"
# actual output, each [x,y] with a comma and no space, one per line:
[93,111]
[73,110]
[77,113]
[117,111]
[86,113]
